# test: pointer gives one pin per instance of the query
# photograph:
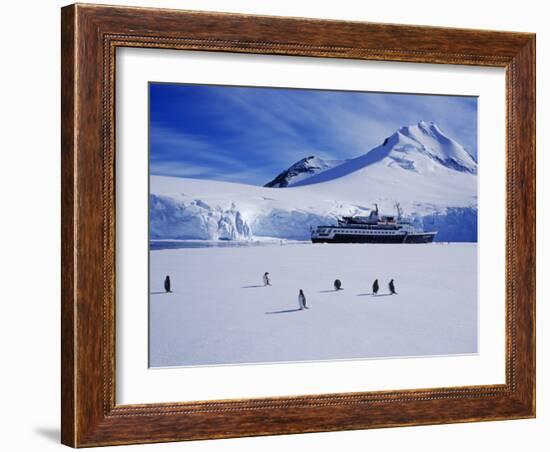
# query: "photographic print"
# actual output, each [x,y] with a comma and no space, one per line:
[291,225]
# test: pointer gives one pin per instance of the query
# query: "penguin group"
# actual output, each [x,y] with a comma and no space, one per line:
[376,287]
[301,296]
[337,287]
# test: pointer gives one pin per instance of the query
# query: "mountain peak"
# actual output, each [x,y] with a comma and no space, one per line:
[421,148]
[423,128]
[302,169]
[428,139]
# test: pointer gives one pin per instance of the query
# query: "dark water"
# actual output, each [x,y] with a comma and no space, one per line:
[155,245]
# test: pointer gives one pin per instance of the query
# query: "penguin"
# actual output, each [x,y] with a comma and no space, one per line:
[337,284]
[267,281]
[302,300]
[167,284]
[392,288]
[375,287]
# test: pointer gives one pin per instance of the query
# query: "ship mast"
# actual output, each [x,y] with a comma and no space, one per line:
[399,211]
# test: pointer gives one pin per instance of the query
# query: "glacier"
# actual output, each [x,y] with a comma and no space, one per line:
[285,215]
[194,220]
[432,176]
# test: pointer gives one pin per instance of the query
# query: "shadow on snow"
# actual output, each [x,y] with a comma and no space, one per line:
[284,312]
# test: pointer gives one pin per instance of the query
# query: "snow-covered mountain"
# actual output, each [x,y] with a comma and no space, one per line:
[418,147]
[432,176]
[302,170]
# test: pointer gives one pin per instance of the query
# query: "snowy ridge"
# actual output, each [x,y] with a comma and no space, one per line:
[302,170]
[434,143]
[422,148]
[432,176]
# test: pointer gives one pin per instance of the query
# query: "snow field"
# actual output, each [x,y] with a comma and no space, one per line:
[220,312]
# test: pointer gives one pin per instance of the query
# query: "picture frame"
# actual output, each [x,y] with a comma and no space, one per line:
[91,35]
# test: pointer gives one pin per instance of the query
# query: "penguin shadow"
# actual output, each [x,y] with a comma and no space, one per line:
[284,311]
[252,287]
[374,295]
[158,293]
[329,291]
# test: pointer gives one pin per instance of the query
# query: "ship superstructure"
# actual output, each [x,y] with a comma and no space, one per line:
[373,228]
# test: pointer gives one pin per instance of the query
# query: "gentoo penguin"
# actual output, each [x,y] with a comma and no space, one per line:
[302,300]
[392,288]
[375,287]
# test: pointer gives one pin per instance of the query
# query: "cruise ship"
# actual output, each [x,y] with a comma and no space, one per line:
[372,229]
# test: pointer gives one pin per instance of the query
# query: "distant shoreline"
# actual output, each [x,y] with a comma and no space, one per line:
[172,244]
[162,244]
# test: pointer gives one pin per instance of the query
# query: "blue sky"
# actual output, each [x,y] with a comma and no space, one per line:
[249,135]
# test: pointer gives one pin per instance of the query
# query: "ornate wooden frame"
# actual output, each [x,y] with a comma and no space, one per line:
[90,35]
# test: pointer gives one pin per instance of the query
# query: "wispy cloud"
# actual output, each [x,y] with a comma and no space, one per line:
[174,153]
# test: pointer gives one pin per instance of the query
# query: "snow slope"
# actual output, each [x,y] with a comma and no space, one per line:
[419,155]
[220,313]
[432,176]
